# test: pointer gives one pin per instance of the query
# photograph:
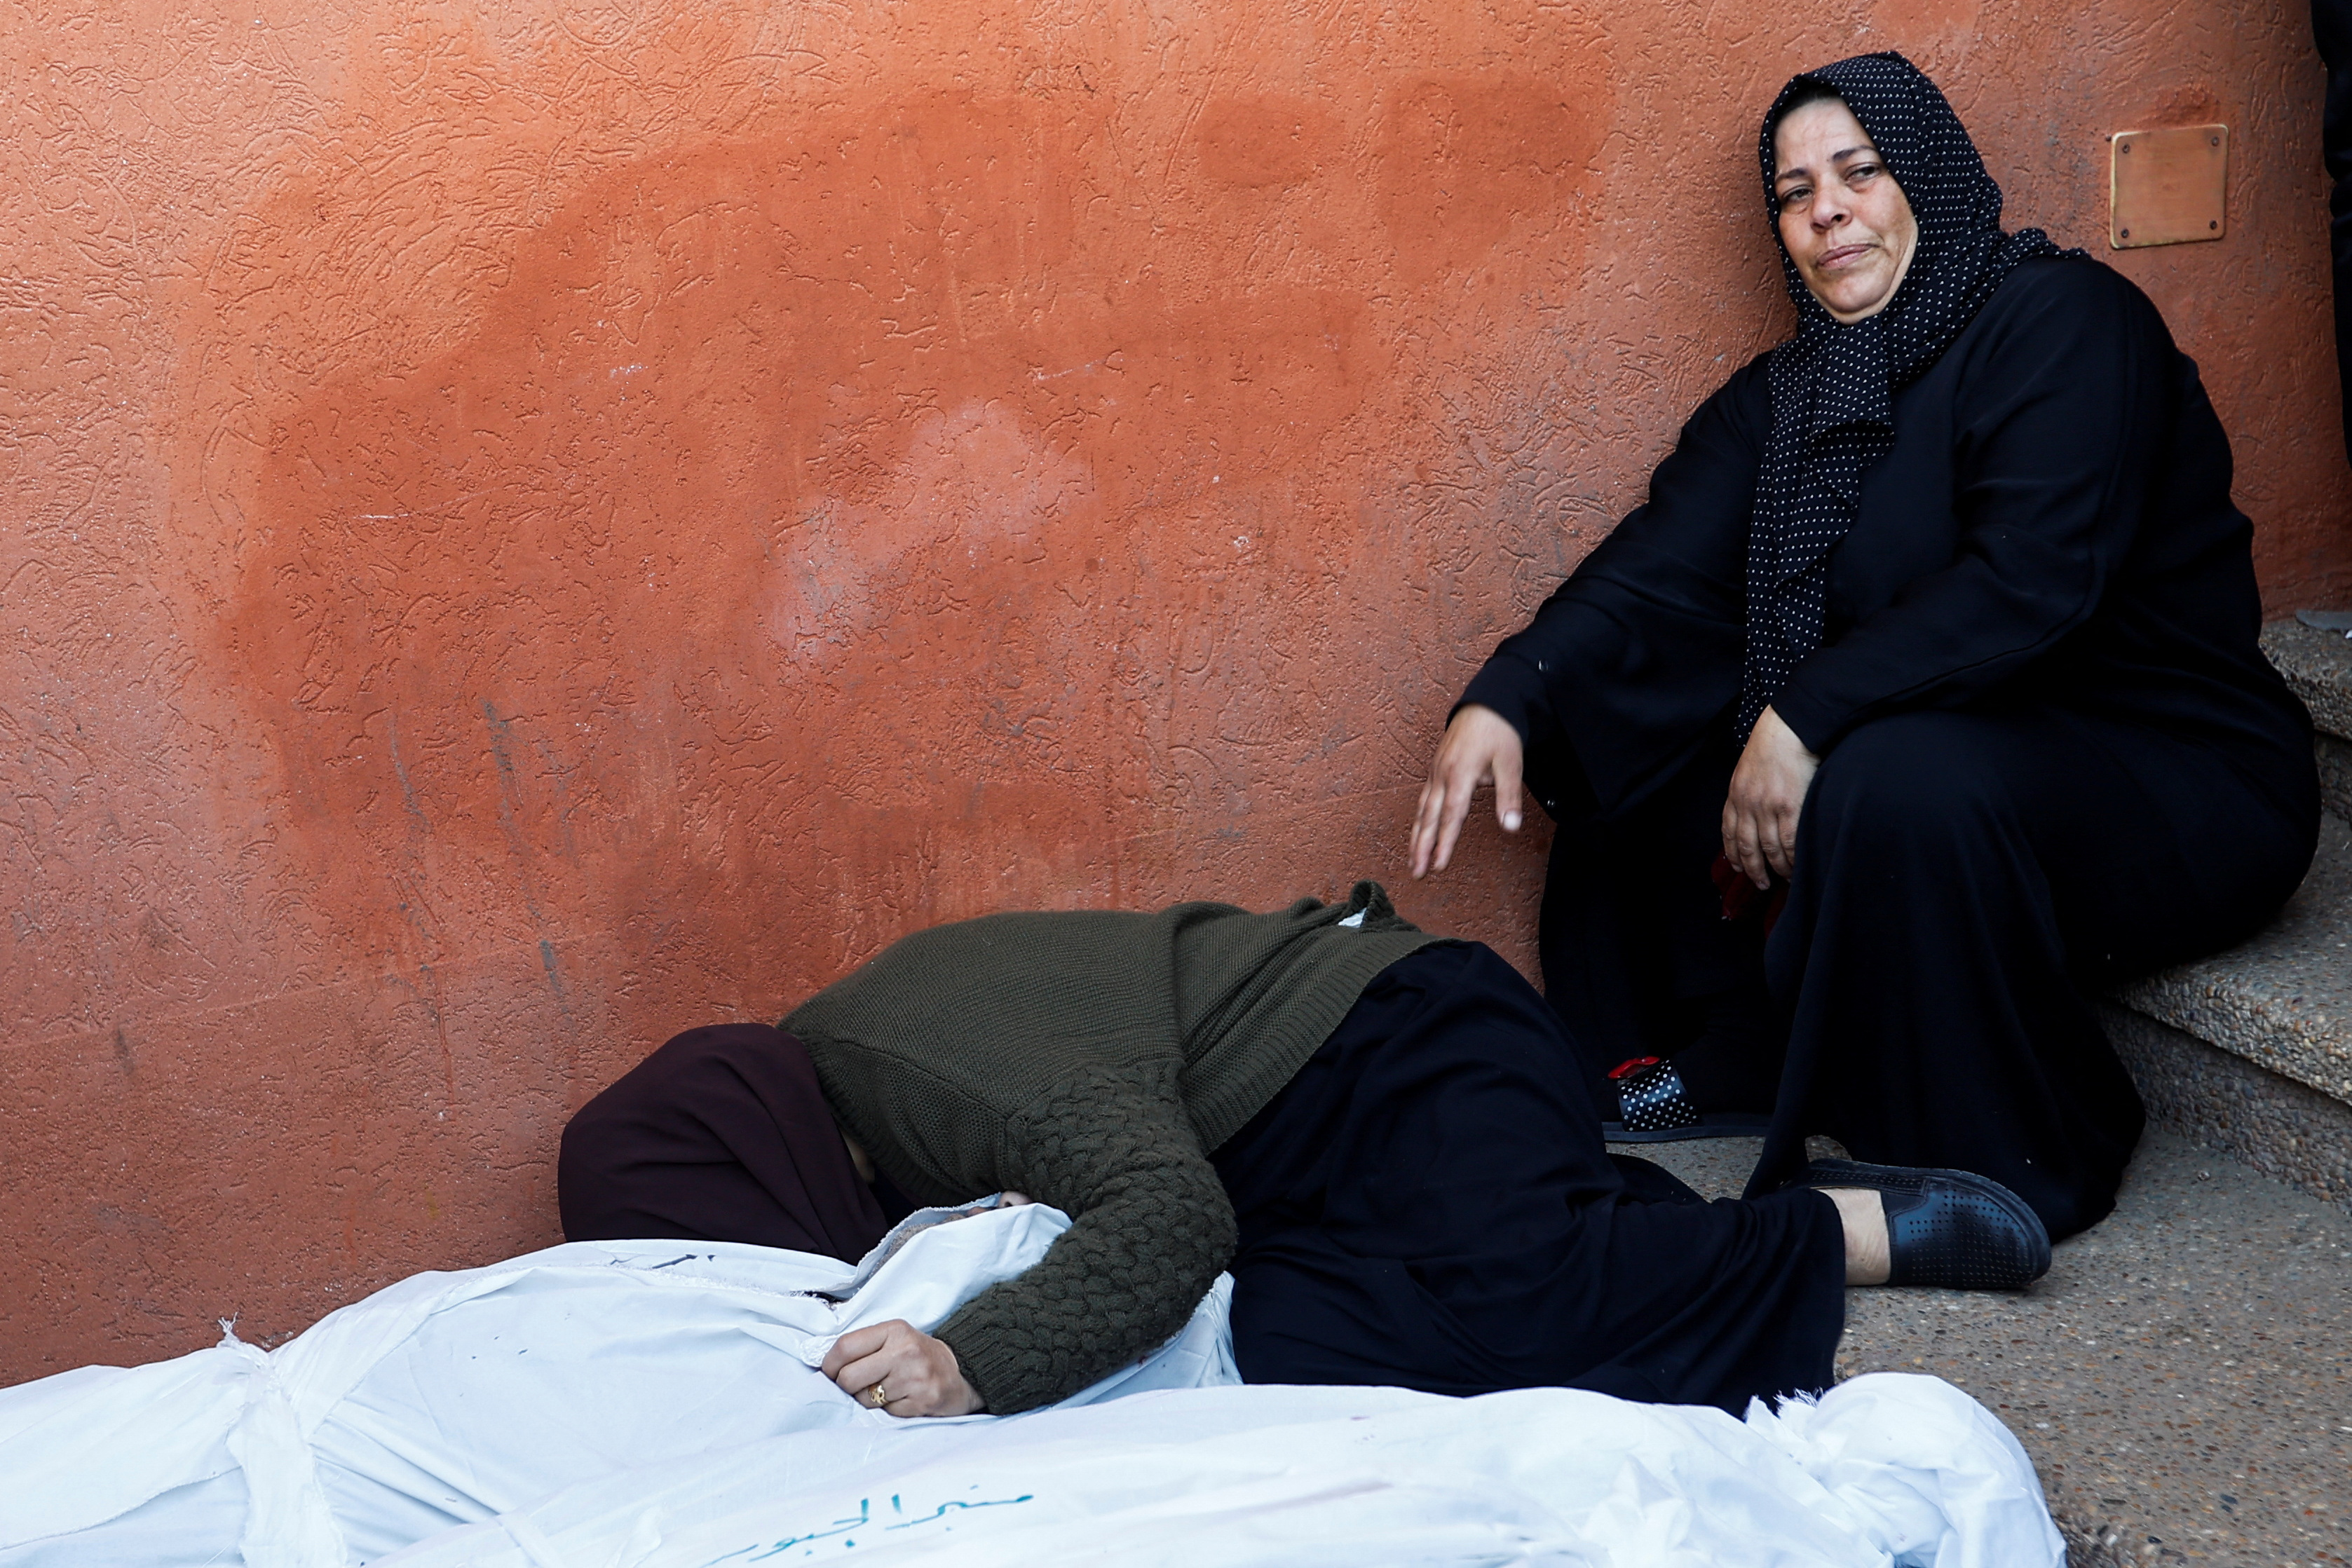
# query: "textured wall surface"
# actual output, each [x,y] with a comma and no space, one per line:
[527,527]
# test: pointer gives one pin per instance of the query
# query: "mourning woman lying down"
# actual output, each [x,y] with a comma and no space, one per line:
[1381,1133]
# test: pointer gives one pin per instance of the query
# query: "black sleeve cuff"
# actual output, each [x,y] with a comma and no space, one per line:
[1819,723]
[1550,770]
[1507,687]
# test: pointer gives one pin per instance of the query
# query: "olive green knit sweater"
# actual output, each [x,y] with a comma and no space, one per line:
[1091,1059]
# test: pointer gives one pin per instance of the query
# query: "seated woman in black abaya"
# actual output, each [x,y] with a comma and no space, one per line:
[1920,702]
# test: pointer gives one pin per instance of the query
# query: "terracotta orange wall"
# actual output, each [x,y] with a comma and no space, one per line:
[527,527]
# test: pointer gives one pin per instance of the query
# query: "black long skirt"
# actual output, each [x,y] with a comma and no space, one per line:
[1428,1203]
[1966,883]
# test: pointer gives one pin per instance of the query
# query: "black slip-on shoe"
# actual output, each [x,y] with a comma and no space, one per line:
[1953,1228]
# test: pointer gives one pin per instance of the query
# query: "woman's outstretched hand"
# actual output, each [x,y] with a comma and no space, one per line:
[1768,793]
[917,1375]
[1480,747]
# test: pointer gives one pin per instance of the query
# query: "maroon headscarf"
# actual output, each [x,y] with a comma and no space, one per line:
[721,1135]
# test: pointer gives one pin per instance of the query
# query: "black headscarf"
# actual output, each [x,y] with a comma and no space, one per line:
[1833,385]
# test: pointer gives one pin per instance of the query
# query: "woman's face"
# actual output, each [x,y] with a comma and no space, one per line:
[1844,220]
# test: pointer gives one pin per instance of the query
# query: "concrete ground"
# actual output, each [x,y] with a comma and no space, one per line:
[2182,1377]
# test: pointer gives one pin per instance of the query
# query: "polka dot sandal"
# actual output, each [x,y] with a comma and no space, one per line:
[1653,1107]
[1651,1097]
[1953,1228]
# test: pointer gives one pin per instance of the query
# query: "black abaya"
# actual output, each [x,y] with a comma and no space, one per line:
[1428,1203]
[1966,882]
[2052,752]
[2065,851]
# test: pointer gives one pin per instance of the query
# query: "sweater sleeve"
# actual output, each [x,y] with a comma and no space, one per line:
[2055,440]
[1151,1227]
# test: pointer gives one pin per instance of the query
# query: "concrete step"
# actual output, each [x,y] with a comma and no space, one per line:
[2284,1000]
[2317,663]
[2250,1049]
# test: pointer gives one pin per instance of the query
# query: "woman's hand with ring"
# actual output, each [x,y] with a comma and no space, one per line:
[896,1367]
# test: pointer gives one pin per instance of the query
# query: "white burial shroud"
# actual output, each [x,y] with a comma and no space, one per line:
[656,1404]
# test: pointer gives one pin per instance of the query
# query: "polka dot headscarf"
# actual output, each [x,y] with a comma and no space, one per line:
[1833,385]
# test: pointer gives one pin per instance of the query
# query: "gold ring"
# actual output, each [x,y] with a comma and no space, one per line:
[880,1398]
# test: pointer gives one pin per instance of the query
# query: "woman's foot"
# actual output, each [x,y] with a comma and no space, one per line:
[1953,1228]
[1865,1218]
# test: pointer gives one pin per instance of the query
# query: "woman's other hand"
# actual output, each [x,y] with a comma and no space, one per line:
[1768,793]
[1480,747]
[914,1374]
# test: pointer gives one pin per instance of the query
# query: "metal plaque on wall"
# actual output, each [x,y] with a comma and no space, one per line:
[2168,187]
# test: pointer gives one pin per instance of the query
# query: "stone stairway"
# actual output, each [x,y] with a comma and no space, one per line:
[2250,1051]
